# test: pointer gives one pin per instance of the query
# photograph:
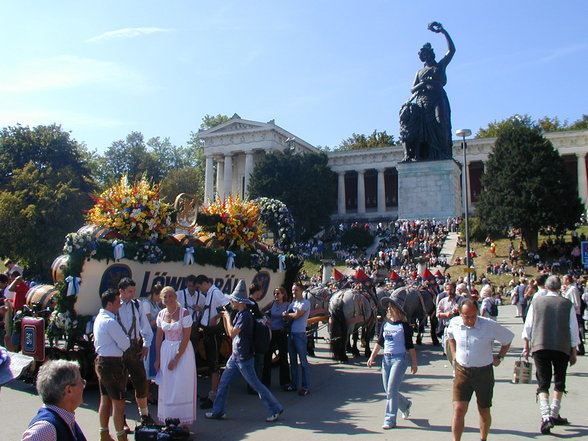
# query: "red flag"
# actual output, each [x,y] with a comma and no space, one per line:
[438,274]
[394,275]
[427,274]
[360,275]
[337,275]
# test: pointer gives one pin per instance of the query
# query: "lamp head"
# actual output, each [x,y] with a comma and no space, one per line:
[462,133]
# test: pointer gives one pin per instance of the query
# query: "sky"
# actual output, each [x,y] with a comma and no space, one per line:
[323,69]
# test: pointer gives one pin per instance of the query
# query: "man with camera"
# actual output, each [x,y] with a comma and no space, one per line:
[212,325]
[240,329]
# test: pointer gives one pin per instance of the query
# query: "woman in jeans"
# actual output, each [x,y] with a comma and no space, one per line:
[279,340]
[396,339]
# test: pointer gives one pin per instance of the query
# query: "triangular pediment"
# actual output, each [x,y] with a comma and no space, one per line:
[235,125]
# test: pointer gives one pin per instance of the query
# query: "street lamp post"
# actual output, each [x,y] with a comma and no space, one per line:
[464,145]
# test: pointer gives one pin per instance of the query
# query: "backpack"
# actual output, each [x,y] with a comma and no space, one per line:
[262,336]
[493,309]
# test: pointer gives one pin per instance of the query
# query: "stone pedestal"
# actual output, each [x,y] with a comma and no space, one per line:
[429,189]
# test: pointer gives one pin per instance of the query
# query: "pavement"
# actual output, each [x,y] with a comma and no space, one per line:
[347,399]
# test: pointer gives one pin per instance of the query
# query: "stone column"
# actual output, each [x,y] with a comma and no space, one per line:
[228,181]
[381,191]
[208,179]
[469,184]
[248,171]
[220,176]
[360,192]
[341,194]
[582,178]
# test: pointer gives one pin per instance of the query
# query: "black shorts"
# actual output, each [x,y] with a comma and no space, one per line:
[212,337]
[550,363]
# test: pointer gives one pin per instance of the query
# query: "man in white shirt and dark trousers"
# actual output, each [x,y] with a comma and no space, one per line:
[213,330]
[134,322]
[110,342]
[550,334]
[193,300]
[471,338]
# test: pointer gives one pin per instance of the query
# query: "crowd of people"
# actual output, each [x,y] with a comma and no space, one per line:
[155,341]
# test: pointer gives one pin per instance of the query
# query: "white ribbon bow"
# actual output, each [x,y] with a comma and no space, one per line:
[73,285]
[282,263]
[230,260]
[119,250]
[189,256]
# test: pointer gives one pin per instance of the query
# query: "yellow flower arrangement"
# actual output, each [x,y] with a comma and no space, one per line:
[134,211]
[239,226]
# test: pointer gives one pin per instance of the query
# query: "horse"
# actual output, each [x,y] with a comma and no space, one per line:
[349,311]
[417,305]
[319,306]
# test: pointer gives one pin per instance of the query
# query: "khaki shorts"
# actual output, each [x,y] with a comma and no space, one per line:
[136,368]
[477,379]
[112,377]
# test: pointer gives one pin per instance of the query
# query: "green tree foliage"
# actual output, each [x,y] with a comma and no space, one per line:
[526,185]
[546,124]
[183,180]
[210,121]
[135,157]
[360,142]
[304,182]
[44,192]
[357,236]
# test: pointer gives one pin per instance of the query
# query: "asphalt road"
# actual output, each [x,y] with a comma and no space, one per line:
[347,399]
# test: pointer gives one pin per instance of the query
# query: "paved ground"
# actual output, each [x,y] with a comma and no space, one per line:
[348,400]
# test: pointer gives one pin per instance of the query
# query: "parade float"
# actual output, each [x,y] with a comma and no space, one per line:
[132,233]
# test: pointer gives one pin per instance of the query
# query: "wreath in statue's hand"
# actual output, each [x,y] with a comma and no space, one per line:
[435,27]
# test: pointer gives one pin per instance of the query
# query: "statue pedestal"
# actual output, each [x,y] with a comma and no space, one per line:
[429,189]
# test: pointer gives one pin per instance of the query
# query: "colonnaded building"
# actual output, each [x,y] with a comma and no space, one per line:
[372,183]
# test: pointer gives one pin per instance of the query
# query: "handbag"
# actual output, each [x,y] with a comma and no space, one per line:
[523,371]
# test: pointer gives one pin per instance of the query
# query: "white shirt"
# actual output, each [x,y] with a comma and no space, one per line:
[109,338]
[189,300]
[473,345]
[214,299]
[542,292]
[573,295]
[528,326]
[139,327]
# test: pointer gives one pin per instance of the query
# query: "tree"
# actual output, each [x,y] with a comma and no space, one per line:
[183,180]
[526,185]
[546,124]
[360,142]
[304,182]
[38,207]
[209,121]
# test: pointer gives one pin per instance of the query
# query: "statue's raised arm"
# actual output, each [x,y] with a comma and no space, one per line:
[438,28]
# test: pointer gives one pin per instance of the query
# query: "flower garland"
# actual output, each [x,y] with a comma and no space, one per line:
[133,211]
[149,252]
[238,226]
[279,220]
[82,243]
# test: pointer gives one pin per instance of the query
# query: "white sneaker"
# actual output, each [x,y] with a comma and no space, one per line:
[215,416]
[406,413]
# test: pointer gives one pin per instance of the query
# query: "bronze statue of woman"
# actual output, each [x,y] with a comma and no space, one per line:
[425,119]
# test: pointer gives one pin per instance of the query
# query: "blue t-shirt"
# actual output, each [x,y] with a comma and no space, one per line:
[299,325]
[276,318]
[395,337]
[243,342]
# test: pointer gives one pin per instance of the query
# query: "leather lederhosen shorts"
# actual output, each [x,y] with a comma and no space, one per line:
[135,368]
[112,377]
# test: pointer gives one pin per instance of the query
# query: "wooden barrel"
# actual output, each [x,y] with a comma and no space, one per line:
[57,268]
[41,295]
[98,232]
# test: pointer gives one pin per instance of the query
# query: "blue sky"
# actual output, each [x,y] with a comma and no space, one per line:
[323,69]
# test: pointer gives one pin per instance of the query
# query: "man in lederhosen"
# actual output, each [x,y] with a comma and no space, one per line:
[134,322]
[213,330]
[194,301]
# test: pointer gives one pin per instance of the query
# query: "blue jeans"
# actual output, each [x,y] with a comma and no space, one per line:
[297,349]
[247,370]
[393,370]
